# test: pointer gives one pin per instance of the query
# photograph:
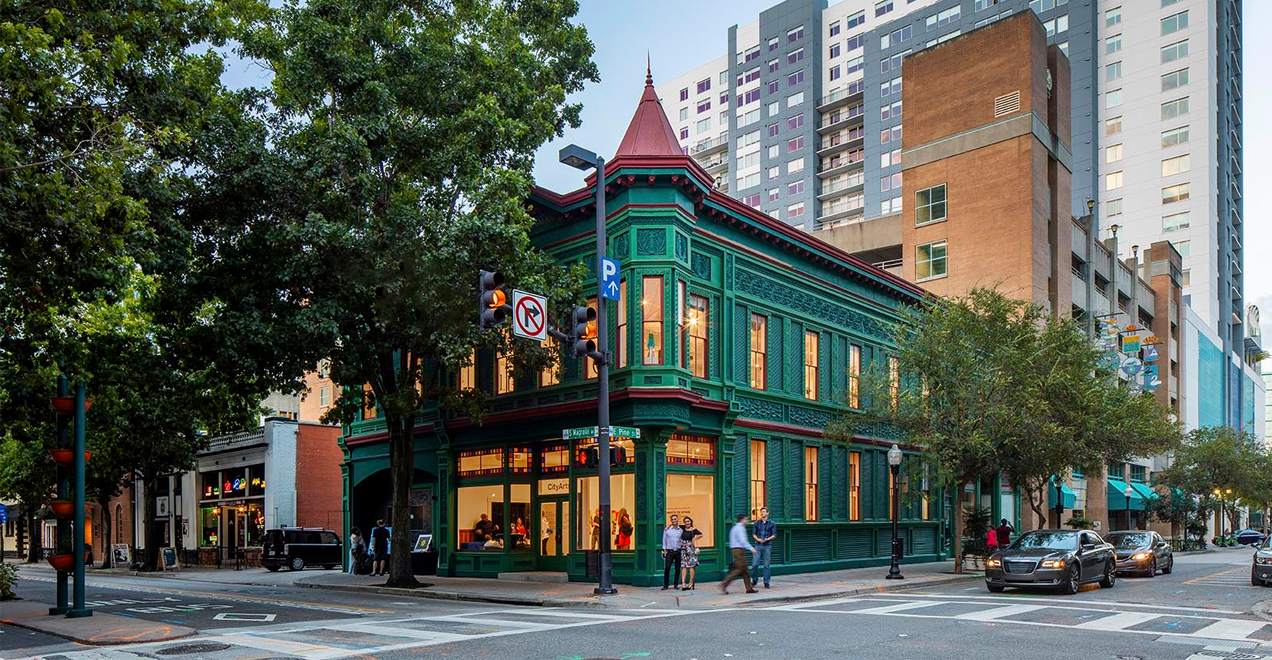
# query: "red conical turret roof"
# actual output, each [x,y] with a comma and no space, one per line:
[649,133]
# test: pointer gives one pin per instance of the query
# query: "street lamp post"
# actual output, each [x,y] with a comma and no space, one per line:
[1059,502]
[582,159]
[894,464]
[1126,494]
[1219,513]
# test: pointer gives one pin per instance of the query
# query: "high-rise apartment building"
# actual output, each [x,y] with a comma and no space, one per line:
[803,118]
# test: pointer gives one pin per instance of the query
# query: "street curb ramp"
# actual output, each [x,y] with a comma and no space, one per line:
[97,630]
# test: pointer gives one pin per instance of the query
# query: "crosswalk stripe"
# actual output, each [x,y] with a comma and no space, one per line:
[887,609]
[1230,629]
[1119,621]
[999,612]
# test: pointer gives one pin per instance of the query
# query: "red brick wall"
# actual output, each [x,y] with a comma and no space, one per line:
[318,481]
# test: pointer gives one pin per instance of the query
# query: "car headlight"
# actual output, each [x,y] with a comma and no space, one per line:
[993,563]
[1053,563]
[1262,560]
[1140,556]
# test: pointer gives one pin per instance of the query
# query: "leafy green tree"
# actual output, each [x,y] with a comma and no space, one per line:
[1219,458]
[356,207]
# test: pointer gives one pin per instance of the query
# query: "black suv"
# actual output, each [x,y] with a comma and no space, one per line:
[297,547]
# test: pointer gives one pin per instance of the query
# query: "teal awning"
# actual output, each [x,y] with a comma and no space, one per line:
[1117,497]
[1145,491]
[1070,497]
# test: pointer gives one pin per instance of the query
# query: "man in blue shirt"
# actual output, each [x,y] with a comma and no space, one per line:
[738,545]
[671,552]
[763,531]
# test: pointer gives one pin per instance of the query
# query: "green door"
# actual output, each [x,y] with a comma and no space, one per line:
[553,532]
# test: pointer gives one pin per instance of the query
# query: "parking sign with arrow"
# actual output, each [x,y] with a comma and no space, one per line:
[529,315]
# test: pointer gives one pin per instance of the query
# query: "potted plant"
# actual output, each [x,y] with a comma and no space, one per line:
[65,457]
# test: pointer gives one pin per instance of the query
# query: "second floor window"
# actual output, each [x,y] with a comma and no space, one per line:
[810,484]
[504,382]
[550,375]
[759,351]
[651,321]
[811,342]
[696,320]
[468,373]
[854,486]
[622,324]
[854,376]
[759,477]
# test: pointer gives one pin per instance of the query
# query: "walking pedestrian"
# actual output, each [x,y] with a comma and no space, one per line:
[380,546]
[991,542]
[1004,533]
[763,531]
[689,554]
[671,553]
[738,545]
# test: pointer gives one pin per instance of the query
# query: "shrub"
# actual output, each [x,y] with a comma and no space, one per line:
[8,575]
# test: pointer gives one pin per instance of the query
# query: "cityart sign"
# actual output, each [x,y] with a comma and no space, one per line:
[554,486]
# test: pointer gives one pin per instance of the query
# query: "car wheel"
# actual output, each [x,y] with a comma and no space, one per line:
[272,569]
[1170,565]
[994,588]
[1075,580]
[297,564]
[1152,568]
[1110,576]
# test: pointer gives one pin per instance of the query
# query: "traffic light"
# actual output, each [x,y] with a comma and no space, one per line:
[492,300]
[584,334]
[618,456]
[588,457]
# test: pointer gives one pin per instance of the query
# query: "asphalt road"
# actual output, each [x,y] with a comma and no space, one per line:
[1205,610]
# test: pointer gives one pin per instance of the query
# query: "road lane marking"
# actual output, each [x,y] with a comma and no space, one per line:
[888,609]
[1119,621]
[1031,599]
[1231,629]
[998,612]
[1199,580]
[242,598]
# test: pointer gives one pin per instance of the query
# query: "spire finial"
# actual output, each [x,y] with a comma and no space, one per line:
[649,75]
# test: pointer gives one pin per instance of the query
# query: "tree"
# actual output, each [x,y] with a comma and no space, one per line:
[1219,458]
[389,165]
[986,384]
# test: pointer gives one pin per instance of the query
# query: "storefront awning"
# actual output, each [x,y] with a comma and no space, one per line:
[1070,498]
[1145,491]
[1118,500]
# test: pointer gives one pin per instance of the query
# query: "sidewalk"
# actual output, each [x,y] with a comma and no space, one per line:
[97,630]
[786,589]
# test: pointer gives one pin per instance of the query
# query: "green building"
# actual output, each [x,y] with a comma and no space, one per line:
[737,339]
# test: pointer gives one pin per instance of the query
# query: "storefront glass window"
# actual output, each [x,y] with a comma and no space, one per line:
[622,512]
[234,483]
[255,524]
[625,443]
[480,462]
[209,519]
[693,495]
[519,523]
[480,511]
[519,460]
[554,459]
[256,480]
[685,449]
[211,485]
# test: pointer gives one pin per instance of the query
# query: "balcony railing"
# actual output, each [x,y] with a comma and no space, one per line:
[841,115]
[843,92]
[853,180]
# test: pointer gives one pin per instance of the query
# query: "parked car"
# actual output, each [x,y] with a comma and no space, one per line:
[1250,537]
[298,547]
[1141,552]
[1061,559]
[1261,566]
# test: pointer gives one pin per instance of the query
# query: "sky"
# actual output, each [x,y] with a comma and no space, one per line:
[624,32]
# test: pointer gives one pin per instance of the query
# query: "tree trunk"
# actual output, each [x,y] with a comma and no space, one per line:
[1036,506]
[402,469]
[107,554]
[151,562]
[958,526]
[35,548]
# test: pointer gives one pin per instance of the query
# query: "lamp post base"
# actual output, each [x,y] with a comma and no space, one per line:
[57,611]
[894,573]
[607,591]
[78,614]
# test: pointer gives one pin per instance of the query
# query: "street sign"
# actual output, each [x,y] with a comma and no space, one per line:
[529,315]
[609,279]
[589,432]
[1130,343]
[1150,354]
[1131,365]
[581,433]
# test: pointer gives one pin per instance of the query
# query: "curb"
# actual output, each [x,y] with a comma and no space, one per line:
[598,603]
[96,642]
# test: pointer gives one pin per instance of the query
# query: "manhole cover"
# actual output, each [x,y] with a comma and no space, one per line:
[192,649]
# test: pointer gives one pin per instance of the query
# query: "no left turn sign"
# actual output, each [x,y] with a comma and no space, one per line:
[529,315]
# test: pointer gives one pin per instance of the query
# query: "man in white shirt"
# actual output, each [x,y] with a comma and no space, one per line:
[671,552]
[738,545]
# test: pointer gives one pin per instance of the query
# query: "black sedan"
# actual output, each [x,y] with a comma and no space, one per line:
[1250,537]
[1141,552]
[1055,558]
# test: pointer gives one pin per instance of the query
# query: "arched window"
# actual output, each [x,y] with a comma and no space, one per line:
[119,523]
